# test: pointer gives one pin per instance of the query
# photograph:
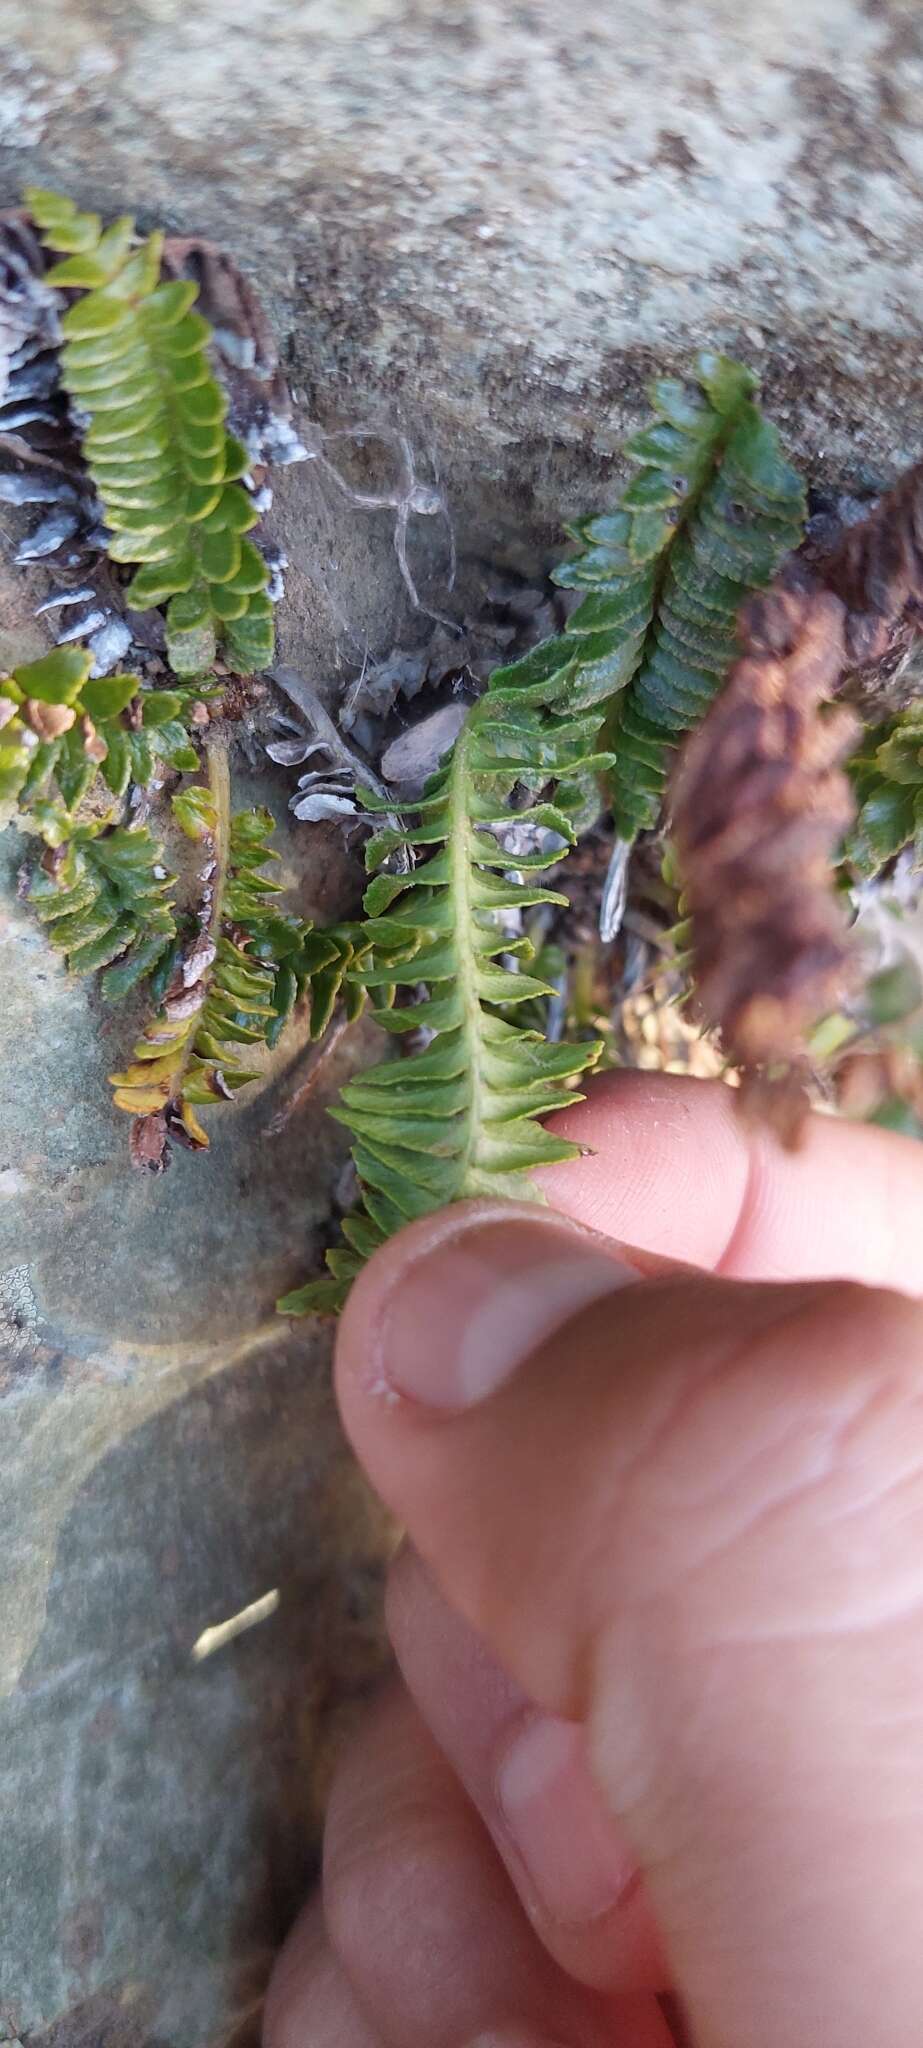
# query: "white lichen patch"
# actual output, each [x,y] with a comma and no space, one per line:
[19,1311]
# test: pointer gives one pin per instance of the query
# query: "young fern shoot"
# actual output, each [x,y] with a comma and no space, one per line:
[462,1117]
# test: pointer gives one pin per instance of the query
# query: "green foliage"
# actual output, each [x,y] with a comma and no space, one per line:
[59,726]
[229,990]
[462,1117]
[56,724]
[219,999]
[135,362]
[452,948]
[107,898]
[739,514]
[887,774]
[710,516]
[318,965]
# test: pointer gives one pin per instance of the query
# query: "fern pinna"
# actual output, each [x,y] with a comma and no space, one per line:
[461,1118]
[711,515]
[135,363]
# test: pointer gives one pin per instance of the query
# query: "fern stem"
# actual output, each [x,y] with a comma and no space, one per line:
[219,786]
[465,920]
[219,789]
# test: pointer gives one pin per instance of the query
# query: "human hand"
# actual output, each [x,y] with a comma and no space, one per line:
[660,1718]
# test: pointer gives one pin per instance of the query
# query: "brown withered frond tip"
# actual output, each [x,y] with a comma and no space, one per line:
[760,801]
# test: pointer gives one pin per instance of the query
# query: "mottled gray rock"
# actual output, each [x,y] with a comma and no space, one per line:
[170,1456]
[483,224]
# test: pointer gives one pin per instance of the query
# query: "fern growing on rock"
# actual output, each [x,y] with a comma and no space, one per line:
[229,986]
[219,999]
[712,513]
[456,910]
[135,362]
[462,1117]
[102,891]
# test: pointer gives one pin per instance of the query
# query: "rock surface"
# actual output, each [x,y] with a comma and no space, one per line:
[483,224]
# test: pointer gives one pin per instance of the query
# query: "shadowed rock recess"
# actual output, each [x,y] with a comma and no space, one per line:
[482,225]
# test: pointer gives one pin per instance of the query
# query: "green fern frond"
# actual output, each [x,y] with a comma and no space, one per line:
[220,998]
[135,363]
[233,986]
[107,899]
[735,529]
[709,518]
[463,1117]
[887,775]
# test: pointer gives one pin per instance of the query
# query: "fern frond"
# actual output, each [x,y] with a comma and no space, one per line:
[461,1118]
[232,987]
[106,898]
[135,362]
[709,518]
[741,523]
[887,776]
[220,999]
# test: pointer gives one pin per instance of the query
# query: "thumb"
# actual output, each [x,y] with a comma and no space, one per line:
[690,1513]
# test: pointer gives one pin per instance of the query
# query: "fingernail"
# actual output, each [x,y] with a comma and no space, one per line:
[556,1822]
[470,1306]
[514,2040]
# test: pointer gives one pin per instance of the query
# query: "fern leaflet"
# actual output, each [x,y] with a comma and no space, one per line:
[319,965]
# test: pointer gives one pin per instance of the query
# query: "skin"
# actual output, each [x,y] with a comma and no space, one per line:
[652,1768]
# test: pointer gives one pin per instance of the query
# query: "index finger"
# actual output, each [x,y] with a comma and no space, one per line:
[673,1169]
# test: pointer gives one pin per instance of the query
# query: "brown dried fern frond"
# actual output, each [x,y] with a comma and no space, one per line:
[761,803]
